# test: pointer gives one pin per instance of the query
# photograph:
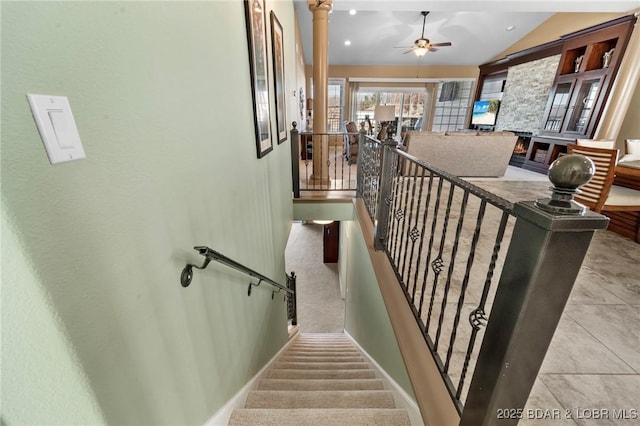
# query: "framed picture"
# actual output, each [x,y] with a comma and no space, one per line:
[277,50]
[257,38]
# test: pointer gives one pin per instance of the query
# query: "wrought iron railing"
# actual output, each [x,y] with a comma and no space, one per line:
[444,237]
[324,161]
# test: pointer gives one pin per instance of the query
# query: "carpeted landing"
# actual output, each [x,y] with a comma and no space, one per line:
[320,379]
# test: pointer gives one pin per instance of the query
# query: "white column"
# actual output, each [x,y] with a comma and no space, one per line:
[623,89]
[320,10]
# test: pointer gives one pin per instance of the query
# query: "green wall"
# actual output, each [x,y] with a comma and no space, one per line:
[323,210]
[366,318]
[95,325]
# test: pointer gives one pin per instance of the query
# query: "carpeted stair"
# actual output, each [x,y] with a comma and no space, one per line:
[321,379]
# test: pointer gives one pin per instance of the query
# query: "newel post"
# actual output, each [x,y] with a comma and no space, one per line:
[550,240]
[388,162]
[292,305]
[295,159]
[360,160]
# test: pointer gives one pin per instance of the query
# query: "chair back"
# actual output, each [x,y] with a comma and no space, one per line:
[595,192]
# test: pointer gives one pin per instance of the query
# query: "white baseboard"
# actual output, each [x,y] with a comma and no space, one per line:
[400,395]
[221,417]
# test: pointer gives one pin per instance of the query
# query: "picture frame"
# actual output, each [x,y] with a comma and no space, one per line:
[277,54]
[256,23]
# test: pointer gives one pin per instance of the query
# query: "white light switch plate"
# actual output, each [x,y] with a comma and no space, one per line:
[57,127]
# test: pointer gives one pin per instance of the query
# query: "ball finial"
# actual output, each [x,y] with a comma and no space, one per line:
[571,171]
[567,174]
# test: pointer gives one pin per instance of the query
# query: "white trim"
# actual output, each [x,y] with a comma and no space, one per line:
[405,80]
[221,417]
[401,396]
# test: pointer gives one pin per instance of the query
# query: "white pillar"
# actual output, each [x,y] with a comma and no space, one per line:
[624,87]
[320,10]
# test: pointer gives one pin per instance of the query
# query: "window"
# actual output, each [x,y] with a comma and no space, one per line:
[335,104]
[409,105]
[451,112]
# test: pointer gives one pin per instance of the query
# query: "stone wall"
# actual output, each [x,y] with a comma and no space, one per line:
[525,95]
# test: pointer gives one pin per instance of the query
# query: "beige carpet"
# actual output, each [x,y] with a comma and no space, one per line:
[320,306]
[321,379]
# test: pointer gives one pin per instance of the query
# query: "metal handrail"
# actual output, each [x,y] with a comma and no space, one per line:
[210,254]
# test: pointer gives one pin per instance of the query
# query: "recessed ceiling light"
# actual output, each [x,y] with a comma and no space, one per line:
[353,12]
[347,42]
[511,28]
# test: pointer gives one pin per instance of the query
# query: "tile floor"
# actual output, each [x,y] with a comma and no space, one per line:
[591,374]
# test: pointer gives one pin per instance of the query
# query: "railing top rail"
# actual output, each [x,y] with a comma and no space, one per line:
[328,133]
[487,196]
[211,254]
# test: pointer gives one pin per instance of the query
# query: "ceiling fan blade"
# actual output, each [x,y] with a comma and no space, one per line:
[408,51]
[403,47]
[432,49]
[444,44]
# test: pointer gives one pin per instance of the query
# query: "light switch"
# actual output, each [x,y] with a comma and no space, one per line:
[61,128]
[57,127]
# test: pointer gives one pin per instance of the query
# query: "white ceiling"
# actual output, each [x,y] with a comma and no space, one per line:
[476,29]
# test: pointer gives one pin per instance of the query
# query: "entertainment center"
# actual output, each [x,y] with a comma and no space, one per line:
[588,62]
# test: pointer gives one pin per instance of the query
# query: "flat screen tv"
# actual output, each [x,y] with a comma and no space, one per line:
[485,112]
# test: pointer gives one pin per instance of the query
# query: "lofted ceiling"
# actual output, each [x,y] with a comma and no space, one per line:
[476,29]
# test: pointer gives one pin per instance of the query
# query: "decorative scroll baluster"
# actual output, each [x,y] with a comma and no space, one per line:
[438,263]
[425,217]
[452,261]
[465,281]
[397,216]
[391,200]
[477,316]
[434,223]
[406,234]
[414,234]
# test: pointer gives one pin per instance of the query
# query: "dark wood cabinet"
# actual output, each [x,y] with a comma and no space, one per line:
[588,65]
[331,242]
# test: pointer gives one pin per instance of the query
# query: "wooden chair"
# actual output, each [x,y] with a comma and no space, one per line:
[600,194]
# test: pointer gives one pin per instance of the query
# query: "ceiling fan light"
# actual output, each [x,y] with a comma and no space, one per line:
[420,51]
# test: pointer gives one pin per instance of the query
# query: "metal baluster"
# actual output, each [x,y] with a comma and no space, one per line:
[477,317]
[392,200]
[454,252]
[438,263]
[414,234]
[431,240]
[425,216]
[465,281]
[400,215]
[407,232]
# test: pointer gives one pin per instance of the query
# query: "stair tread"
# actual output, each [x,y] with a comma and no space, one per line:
[321,384]
[324,347]
[321,365]
[313,358]
[320,374]
[320,380]
[319,417]
[320,399]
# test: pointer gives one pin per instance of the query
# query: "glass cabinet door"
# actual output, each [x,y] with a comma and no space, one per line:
[584,101]
[558,108]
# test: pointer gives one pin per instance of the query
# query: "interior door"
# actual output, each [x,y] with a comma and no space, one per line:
[331,242]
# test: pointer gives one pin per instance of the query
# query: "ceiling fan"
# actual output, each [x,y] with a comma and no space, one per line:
[423,45]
